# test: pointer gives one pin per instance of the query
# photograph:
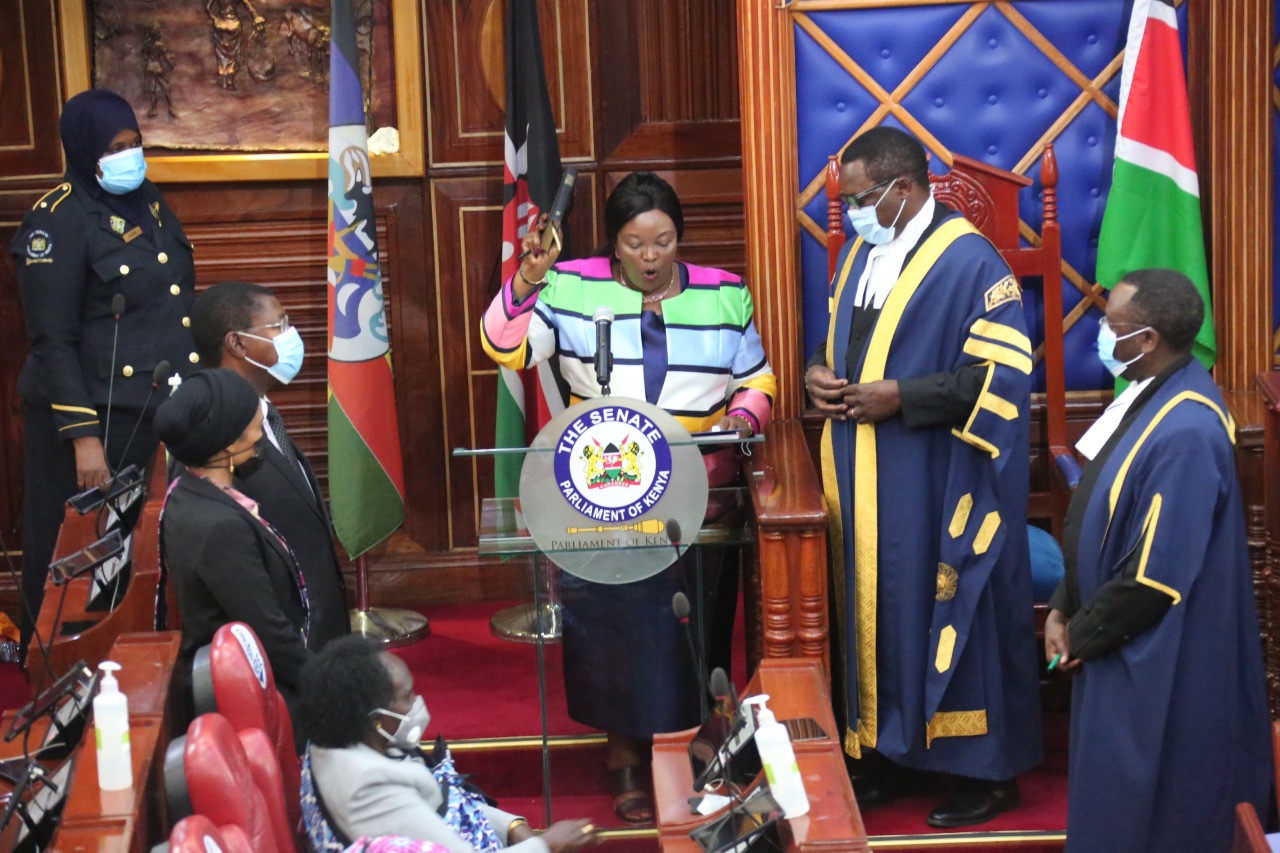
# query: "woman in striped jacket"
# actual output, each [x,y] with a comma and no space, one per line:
[684,339]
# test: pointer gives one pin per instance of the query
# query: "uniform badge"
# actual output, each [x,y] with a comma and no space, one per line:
[117,224]
[948,580]
[1004,290]
[39,244]
[155,210]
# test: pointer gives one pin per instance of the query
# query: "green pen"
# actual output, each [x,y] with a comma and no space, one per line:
[1055,660]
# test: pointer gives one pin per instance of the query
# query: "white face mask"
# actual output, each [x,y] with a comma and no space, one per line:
[866,221]
[409,733]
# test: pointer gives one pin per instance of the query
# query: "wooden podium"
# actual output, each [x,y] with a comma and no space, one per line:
[797,688]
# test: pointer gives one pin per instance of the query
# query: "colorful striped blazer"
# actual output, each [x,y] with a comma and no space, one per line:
[716,364]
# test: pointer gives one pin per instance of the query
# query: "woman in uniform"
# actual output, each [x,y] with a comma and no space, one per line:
[107,282]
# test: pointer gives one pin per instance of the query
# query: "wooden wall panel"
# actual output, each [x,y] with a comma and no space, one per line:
[28,75]
[465,68]
[688,61]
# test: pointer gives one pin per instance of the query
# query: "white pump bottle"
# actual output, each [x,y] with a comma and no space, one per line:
[111,730]
[779,760]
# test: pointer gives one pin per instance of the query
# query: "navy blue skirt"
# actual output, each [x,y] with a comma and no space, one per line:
[628,667]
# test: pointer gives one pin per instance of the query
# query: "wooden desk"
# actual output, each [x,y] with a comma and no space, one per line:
[797,688]
[126,821]
[95,835]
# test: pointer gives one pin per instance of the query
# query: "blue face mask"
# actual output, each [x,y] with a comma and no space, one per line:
[1107,349]
[289,352]
[122,172]
[866,222]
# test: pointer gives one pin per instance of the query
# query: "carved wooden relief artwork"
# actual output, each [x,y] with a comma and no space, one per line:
[236,75]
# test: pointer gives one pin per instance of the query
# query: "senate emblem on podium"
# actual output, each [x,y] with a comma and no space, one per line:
[608,486]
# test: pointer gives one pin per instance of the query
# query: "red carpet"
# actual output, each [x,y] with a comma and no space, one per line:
[1043,791]
[14,692]
[477,686]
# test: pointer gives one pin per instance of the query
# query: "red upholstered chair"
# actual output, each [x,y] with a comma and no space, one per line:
[198,834]
[223,786]
[233,677]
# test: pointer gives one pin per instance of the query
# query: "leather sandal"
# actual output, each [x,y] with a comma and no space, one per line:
[631,802]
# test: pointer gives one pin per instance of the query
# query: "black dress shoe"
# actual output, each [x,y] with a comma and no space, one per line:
[878,781]
[975,801]
[878,791]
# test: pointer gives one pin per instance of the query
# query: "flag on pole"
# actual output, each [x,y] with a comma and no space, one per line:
[1152,217]
[531,175]
[365,472]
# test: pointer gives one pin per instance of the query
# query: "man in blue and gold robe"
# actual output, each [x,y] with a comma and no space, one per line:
[1157,612]
[925,377]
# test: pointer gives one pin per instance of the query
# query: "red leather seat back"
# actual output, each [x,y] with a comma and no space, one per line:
[245,689]
[198,834]
[266,775]
[221,784]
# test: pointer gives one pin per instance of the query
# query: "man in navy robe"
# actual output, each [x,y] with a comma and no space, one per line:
[925,379]
[1157,613]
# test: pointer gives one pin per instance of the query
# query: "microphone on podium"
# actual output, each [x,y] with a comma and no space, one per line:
[603,318]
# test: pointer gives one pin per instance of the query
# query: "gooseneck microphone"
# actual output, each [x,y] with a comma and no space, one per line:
[117,309]
[680,607]
[109,487]
[673,536]
[603,318]
[157,379]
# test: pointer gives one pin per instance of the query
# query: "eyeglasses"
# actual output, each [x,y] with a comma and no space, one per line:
[859,199]
[1105,324]
[282,324]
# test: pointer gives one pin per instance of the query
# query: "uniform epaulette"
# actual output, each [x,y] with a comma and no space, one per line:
[53,197]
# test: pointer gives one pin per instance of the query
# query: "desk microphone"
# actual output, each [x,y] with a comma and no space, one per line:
[680,607]
[157,379]
[603,318]
[117,309]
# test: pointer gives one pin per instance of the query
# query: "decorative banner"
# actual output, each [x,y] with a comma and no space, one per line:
[602,484]
[366,477]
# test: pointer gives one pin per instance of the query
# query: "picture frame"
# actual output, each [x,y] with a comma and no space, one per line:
[235,166]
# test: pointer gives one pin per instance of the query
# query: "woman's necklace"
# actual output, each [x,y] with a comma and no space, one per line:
[648,298]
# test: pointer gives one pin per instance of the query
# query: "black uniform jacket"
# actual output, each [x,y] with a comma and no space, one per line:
[226,566]
[73,255]
[289,497]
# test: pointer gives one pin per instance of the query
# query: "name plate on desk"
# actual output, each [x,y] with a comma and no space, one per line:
[608,487]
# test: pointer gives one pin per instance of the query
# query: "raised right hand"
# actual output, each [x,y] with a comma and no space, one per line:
[91,462]
[533,268]
[826,390]
[565,836]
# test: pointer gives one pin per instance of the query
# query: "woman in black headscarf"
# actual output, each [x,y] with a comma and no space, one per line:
[107,282]
[225,562]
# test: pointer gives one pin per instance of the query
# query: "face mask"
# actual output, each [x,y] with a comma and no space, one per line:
[865,221]
[249,467]
[123,171]
[289,352]
[1107,349]
[409,733]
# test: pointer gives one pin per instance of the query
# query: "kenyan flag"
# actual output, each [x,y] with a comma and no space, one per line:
[1153,212]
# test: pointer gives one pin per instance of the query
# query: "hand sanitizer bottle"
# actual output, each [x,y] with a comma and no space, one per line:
[779,760]
[111,729]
